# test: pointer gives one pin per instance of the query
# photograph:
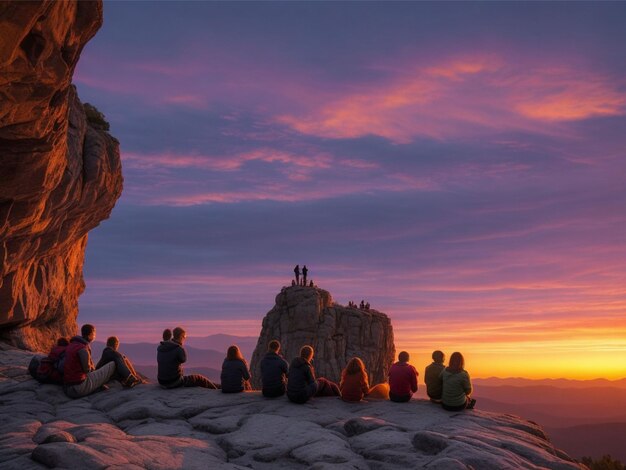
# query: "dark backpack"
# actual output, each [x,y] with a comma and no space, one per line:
[48,369]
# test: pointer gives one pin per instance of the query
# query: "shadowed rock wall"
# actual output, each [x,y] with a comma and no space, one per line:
[308,315]
[59,174]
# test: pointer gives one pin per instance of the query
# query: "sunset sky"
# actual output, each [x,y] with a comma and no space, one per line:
[461,166]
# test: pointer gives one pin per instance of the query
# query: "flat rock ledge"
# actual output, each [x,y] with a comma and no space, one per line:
[147,427]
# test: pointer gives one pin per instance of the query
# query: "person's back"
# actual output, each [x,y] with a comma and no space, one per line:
[457,386]
[301,375]
[432,379]
[274,369]
[170,359]
[234,375]
[432,376]
[354,387]
[402,379]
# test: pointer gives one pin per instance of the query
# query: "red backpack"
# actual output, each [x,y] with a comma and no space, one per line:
[49,369]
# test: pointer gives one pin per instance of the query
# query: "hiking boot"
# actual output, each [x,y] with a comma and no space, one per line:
[131,381]
[471,404]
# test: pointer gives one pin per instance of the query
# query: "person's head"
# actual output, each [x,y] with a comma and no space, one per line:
[179,335]
[306,352]
[88,332]
[403,356]
[167,334]
[355,366]
[439,356]
[233,353]
[113,342]
[274,346]
[63,341]
[457,361]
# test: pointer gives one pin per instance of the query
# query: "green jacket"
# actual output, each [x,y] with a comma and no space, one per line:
[432,379]
[456,387]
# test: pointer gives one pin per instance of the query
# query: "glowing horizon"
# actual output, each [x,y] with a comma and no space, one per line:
[460,166]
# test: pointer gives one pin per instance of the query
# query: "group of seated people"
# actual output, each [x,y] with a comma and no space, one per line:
[449,386]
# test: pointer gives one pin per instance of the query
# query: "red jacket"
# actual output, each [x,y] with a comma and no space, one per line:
[73,372]
[354,387]
[402,379]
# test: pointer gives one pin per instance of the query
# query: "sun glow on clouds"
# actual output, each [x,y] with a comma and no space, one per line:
[442,100]
[476,197]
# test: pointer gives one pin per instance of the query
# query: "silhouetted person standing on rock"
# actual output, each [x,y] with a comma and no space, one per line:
[170,358]
[304,273]
[296,271]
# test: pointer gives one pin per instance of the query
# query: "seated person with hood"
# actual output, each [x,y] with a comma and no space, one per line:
[170,359]
[79,375]
[457,386]
[235,373]
[402,379]
[432,377]
[302,383]
[126,373]
[355,383]
[274,371]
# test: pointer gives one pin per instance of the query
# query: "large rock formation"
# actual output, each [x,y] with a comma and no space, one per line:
[148,427]
[308,315]
[60,173]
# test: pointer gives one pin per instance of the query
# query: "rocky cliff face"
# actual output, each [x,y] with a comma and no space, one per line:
[148,427]
[308,315]
[60,174]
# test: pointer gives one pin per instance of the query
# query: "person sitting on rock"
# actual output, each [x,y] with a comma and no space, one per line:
[362,305]
[167,334]
[354,383]
[432,377]
[457,386]
[235,375]
[274,371]
[170,359]
[125,372]
[402,379]
[302,384]
[79,375]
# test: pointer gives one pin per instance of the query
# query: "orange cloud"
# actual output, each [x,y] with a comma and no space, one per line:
[459,97]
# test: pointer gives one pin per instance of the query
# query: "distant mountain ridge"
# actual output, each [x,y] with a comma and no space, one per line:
[557,383]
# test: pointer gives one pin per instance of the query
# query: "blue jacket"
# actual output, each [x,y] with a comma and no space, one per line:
[234,373]
[274,371]
[170,358]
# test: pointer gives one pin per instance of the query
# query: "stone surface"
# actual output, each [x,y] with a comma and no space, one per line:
[148,427]
[308,315]
[59,174]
